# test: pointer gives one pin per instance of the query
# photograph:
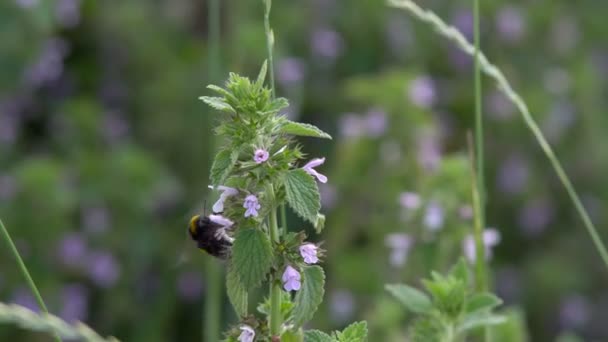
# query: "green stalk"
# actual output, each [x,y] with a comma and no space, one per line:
[26,274]
[269,42]
[275,285]
[213,303]
[493,72]
[479,120]
[480,252]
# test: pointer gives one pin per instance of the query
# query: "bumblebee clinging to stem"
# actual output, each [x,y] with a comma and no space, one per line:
[210,234]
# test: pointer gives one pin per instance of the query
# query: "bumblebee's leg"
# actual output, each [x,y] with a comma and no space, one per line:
[221,234]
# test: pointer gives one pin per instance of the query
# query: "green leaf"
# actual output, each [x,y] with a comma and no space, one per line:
[304,130]
[310,295]
[320,223]
[482,301]
[355,332]
[217,103]
[292,336]
[262,75]
[413,299]
[427,329]
[251,256]
[461,271]
[480,319]
[317,336]
[222,166]
[303,194]
[237,293]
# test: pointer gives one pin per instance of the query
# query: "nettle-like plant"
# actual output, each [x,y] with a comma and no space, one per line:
[257,171]
[451,311]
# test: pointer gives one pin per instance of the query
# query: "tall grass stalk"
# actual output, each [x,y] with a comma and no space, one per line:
[481,282]
[493,72]
[213,299]
[26,274]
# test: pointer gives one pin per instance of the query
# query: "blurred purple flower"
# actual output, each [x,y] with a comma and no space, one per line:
[561,117]
[291,279]
[409,200]
[327,44]
[329,195]
[375,122]
[68,12]
[247,334]
[114,127]
[399,244]
[290,71]
[498,106]
[465,212]
[260,156]
[8,187]
[308,251]
[95,219]
[557,81]
[9,128]
[574,312]
[49,65]
[422,92]
[22,296]
[463,21]
[508,284]
[351,126]
[429,153]
[460,60]
[309,168]
[342,305]
[510,23]
[434,216]
[565,34]
[491,238]
[189,286]
[72,250]
[252,205]
[103,269]
[226,192]
[75,303]
[536,216]
[27,3]
[513,174]
[398,33]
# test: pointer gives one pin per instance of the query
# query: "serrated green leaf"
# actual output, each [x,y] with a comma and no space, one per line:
[413,299]
[251,256]
[237,293]
[427,329]
[262,75]
[304,130]
[217,103]
[317,336]
[303,194]
[482,301]
[222,166]
[461,271]
[228,95]
[480,319]
[310,295]
[320,223]
[292,336]
[356,332]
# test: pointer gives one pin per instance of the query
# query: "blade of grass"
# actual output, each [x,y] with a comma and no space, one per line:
[26,274]
[493,72]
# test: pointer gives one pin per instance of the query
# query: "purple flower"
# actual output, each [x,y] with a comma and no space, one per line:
[189,285]
[221,220]
[434,216]
[409,200]
[27,3]
[465,212]
[23,297]
[326,44]
[400,244]
[351,126]
[463,21]
[510,23]
[342,305]
[75,300]
[218,207]
[574,312]
[491,237]
[422,92]
[513,175]
[308,251]
[252,205]
[247,334]
[375,123]
[260,156]
[429,152]
[103,269]
[536,216]
[329,195]
[68,12]
[72,249]
[95,219]
[290,71]
[291,279]
[309,168]
[8,186]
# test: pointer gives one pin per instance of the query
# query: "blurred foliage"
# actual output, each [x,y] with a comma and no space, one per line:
[105,152]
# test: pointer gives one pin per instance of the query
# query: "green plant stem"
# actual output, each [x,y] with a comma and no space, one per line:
[275,284]
[480,255]
[479,137]
[26,274]
[213,270]
[493,72]
[269,42]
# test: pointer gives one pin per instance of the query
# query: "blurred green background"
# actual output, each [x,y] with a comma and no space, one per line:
[105,151]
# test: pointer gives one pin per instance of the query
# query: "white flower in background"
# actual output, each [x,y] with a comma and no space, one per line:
[491,238]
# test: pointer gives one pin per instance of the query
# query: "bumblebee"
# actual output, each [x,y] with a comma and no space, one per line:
[210,234]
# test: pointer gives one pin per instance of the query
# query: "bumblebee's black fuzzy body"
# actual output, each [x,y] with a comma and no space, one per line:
[205,233]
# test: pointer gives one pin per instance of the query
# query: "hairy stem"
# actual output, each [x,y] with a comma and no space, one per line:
[493,72]
[275,284]
[213,303]
[26,274]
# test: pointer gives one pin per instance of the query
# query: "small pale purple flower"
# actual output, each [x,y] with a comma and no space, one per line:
[376,123]
[291,279]
[308,251]
[252,205]
[72,249]
[422,92]
[260,156]
[465,212]
[290,71]
[510,23]
[218,207]
[409,200]
[221,220]
[23,297]
[574,312]
[247,334]
[434,216]
[342,305]
[536,216]
[309,168]
[491,237]
[351,125]
[103,269]
[327,44]
[400,244]
[189,286]
[75,299]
